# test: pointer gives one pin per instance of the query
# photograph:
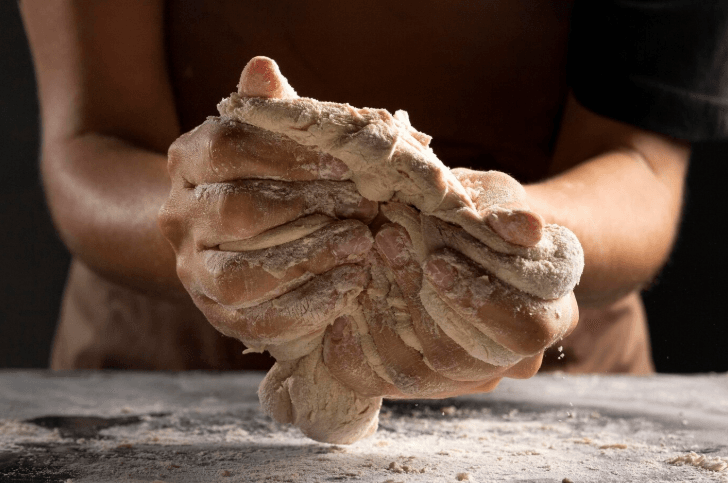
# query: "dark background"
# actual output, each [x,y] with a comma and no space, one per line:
[688,325]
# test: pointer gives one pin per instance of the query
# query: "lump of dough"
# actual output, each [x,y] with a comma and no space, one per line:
[304,393]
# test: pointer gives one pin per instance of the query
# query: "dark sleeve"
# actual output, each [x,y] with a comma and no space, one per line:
[661,65]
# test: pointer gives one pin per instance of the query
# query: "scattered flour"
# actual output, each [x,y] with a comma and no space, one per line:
[193,426]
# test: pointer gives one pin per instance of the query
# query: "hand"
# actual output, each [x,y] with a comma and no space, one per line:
[463,329]
[268,234]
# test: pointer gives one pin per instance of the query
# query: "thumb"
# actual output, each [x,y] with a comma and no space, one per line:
[261,77]
[501,202]
[520,226]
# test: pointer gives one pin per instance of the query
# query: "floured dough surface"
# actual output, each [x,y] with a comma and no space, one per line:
[292,393]
[392,163]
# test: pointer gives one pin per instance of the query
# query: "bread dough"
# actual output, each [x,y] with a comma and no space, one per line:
[392,163]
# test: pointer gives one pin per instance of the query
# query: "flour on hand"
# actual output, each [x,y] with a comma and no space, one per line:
[391,163]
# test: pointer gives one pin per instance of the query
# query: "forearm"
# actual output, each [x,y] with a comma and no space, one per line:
[108,116]
[104,195]
[625,214]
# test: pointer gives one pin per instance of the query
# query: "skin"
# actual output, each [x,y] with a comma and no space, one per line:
[107,127]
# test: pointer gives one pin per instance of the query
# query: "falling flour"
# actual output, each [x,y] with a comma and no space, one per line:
[390,162]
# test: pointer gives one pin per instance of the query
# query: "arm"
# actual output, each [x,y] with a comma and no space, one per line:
[619,189]
[108,118]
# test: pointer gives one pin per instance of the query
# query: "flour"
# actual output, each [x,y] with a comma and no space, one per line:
[194,424]
[389,162]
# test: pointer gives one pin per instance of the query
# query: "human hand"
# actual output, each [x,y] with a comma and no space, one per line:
[396,327]
[459,221]
[463,329]
[267,233]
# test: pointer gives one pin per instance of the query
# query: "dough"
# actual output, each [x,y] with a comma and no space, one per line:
[392,163]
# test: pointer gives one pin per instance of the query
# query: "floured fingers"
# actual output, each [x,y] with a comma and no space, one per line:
[501,202]
[404,364]
[520,323]
[222,150]
[221,213]
[240,279]
[351,357]
[300,315]
[390,346]
[236,211]
[440,352]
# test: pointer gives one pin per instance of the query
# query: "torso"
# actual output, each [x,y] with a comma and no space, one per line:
[485,79]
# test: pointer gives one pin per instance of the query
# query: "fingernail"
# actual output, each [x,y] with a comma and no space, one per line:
[392,246]
[364,210]
[519,227]
[262,78]
[440,273]
[337,169]
[337,329]
[353,246]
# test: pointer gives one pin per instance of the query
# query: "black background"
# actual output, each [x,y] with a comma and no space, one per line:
[688,324]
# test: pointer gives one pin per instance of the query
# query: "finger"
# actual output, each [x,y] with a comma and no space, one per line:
[404,364]
[476,343]
[549,272]
[242,279]
[222,150]
[410,219]
[487,385]
[491,188]
[520,227]
[230,212]
[362,138]
[442,353]
[515,320]
[262,78]
[501,201]
[403,361]
[346,360]
[527,368]
[302,313]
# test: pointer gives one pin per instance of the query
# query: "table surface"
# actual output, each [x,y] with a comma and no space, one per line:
[180,427]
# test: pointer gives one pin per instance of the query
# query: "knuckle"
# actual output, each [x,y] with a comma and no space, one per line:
[170,224]
[541,331]
[353,244]
[185,272]
[224,292]
[215,145]
[206,143]
[223,285]
[223,143]
[175,157]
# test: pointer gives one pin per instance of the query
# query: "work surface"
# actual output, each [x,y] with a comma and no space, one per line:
[179,427]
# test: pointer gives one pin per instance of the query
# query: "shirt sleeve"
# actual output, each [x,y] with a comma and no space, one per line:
[661,65]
